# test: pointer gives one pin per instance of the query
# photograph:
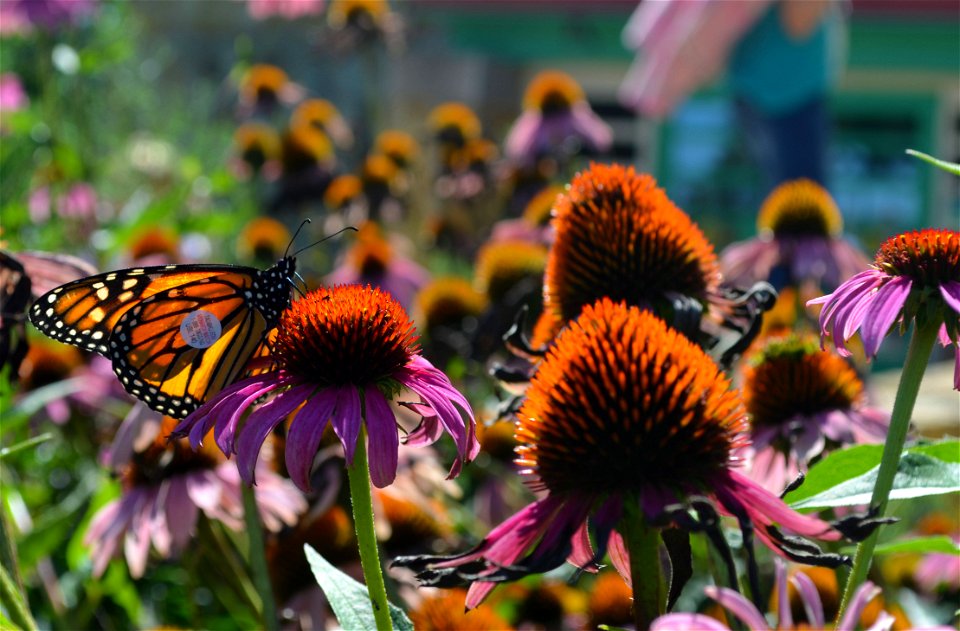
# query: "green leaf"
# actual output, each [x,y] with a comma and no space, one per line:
[949,167]
[847,478]
[940,544]
[348,598]
[27,444]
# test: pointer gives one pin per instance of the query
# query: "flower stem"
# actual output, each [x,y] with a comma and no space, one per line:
[918,353]
[359,476]
[258,559]
[643,545]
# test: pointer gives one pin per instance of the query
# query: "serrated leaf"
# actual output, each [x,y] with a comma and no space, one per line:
[949,167]
[938,544]
[349,599]
[918,475]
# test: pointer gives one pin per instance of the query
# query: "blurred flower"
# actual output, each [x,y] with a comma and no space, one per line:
[165,488]
[305,148]
[914,276]
[556,121]
[258,145]
[801,240]
[288,9]
[325,117]
[263,240]
[467,173]
[344,191]
[17,16]
[46,364]
[12,95]
[264,86]
[503,266]
[939,572]
[618,235]
[453,124]
[543,603]
[362,22]
[803,401]
[611,602]
[446,301]
[444,611]
[155,245]
[373,261]
[397,145]
[78,204]
[620,372]
[534,224]
[384,185]
[341,355]
[749,615]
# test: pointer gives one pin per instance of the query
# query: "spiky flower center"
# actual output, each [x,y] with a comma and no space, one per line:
[345,335]
[930,257]
[445,611]
[800,208]
[792,377]
[622,403]
[618,235]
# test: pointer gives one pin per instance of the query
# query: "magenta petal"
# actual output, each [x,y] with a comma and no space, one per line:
[346,420]
[263,421]
[228,417]
[582,553]
[687,622]
[306,432]
[765,508]
[739,606]
[950,291]
[887,306]
[783,601]
[864,594]
[620,557]
[383,440]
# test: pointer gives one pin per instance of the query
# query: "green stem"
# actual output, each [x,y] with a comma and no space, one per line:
[13,603]
[359,476]
[258,559]
[918,353]
[643,545]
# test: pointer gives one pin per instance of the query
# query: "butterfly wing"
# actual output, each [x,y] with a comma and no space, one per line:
[177,347]
[14,298]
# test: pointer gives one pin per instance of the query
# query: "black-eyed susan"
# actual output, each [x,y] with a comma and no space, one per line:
[624,420]
[263,86]
[325,117]
[802,402]
[305,148]
[165,488]
[454,124]
[800,241]
[557,121]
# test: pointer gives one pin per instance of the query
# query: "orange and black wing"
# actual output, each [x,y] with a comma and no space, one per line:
[178,347]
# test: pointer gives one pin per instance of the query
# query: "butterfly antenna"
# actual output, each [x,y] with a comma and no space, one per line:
[294,237]
[296,287]
[302,280]
[329,236]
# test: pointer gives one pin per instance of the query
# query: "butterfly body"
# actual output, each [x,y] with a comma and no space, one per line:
[175,334]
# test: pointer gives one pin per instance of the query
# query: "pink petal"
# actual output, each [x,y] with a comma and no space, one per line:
[263,421]
[383,440]
[346,420]
[739,606]
[687,622]
[950,291]
[305,434]
[887,307]
[811,599]
[783,601]
[864,594]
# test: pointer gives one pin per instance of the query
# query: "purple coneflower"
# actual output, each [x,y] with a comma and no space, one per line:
[801,239]
[624,416]
[556,121]
[165,488]
[342,354]
[754,619]
[915,277]
[801,401]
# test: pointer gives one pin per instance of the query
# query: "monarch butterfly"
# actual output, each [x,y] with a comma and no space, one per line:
[176,334]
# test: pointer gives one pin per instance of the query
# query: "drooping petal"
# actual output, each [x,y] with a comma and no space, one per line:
[181,512]
[739,606]
[305,434]
[383,439]
[783,601]
[887,307]
[199,422]
[346,419]
[810,598]
[136,543]
[864,594]
[263,421]
[950,291]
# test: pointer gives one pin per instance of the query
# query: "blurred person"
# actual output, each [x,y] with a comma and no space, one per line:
[783,57]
